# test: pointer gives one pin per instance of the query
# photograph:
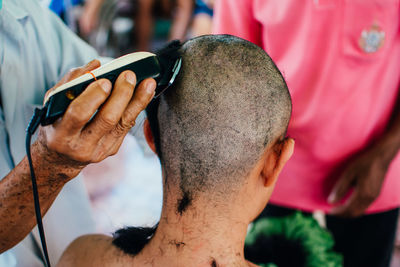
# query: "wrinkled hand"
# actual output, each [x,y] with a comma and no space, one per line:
[78,138]
[365,174]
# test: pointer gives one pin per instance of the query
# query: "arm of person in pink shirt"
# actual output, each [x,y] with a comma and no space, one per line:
[236,18]
[366,172]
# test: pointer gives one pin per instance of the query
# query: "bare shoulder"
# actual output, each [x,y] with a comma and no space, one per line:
[252,264]
[93,250]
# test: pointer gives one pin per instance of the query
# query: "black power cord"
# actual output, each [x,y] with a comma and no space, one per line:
[32,127]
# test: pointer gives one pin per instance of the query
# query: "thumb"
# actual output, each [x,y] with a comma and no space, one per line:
[341,187]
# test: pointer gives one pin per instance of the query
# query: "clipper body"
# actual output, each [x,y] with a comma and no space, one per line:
[143,64]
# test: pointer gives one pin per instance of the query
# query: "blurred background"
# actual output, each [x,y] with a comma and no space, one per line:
[117,27]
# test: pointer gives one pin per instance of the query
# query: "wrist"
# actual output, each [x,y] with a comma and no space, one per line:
[52,167]
[387,148]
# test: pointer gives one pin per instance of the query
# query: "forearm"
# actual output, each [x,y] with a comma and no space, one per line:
[181,19]
[17,213]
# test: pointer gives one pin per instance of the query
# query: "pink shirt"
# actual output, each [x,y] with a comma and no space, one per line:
[342,96]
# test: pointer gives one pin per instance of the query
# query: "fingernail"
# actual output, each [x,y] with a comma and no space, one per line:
[150,88]
[130,78]
[106,85]
[90,63]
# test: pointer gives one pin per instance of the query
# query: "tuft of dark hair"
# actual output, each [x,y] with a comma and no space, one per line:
[167,57]
[184,202]
[151,112]
[132,240]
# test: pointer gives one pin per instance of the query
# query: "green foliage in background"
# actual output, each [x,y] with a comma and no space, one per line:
[317,243]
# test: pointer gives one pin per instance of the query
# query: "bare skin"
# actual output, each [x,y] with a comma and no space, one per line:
[63,149]
[206,234]
[366,172]
[202,23]
[101,252]
[179,241]
[181,20]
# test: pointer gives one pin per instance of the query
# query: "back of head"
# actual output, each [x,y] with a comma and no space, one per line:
[228,104]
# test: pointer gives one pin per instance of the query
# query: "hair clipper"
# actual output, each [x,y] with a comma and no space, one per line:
[163,67]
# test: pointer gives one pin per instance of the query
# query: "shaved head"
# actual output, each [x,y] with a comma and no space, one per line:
[228,104]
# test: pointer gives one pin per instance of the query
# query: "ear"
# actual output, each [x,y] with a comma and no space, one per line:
[275,160]
[149,135]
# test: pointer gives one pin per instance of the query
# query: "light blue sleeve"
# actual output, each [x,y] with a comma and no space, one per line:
[64,49]
[36,50]
[6,164]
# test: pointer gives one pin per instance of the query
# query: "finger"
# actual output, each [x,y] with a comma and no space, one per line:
[75,73]
[107,146]
[92,65]
[85,105]
[341,188]
[111,112]
[355,206]
[143,94]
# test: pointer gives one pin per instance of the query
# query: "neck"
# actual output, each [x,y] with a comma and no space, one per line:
[202,235]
